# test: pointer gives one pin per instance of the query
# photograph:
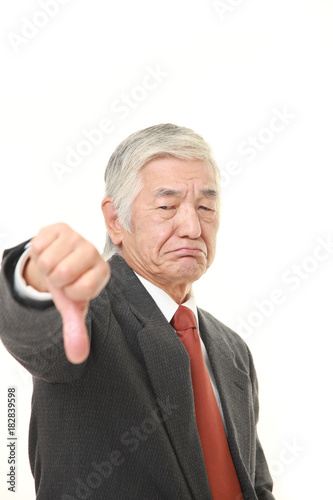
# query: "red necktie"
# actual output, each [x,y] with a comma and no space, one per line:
[221,472]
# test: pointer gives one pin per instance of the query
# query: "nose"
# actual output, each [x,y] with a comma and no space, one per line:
[188,223]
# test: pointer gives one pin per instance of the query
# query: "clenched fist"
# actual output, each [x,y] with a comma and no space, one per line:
[69,267]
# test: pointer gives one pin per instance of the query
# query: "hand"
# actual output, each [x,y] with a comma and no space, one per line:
[69,267]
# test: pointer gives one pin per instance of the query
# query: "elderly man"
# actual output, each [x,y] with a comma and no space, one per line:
[137,393]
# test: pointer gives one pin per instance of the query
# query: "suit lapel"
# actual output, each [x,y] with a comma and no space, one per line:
[168,367]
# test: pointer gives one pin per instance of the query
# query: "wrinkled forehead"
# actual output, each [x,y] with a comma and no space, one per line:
[169,172]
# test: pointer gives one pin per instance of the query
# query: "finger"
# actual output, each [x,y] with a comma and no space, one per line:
[45,237]
[54,248]
[76,339]
[73,265]
[89,285]
[75,335]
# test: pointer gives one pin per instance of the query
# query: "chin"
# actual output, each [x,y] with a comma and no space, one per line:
[190,268]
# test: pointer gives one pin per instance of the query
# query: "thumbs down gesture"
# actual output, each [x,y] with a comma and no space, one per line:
[69,267]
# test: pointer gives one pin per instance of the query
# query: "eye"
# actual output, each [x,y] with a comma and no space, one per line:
[205,208]
[165,207]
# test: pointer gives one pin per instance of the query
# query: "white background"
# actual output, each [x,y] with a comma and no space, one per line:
[224,72]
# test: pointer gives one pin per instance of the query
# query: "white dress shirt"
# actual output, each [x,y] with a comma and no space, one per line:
[21,288]
[165,303]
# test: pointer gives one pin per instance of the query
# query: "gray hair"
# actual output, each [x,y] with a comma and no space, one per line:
[122,174]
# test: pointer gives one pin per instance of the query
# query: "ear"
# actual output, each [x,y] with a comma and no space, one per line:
[115,229]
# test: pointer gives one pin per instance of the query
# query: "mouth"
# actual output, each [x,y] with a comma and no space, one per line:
[187,251]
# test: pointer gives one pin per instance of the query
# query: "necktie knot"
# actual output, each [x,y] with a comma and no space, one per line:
[183,319]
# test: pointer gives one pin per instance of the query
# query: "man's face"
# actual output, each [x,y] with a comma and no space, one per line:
[175,219]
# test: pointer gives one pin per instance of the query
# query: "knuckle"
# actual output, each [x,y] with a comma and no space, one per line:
[87,286]
[63,272]
[91,251]
[42,231]
[45,263]
[34,245]
[62,226]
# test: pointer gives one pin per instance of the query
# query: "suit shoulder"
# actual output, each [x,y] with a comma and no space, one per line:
[225,330]
[233,339]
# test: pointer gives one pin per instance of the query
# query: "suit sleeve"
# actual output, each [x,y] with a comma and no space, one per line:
[31,330]
[263,481]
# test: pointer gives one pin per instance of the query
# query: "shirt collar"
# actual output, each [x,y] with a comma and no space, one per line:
[166,304]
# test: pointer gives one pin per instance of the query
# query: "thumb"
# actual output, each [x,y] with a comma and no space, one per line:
[76,339]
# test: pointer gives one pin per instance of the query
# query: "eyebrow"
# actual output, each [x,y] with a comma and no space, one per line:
[163,191]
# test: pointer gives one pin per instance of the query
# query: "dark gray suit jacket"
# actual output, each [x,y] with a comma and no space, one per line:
[122,425]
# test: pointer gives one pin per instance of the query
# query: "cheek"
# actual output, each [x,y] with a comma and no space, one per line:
[151,236]
[158,231]
[210,238]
